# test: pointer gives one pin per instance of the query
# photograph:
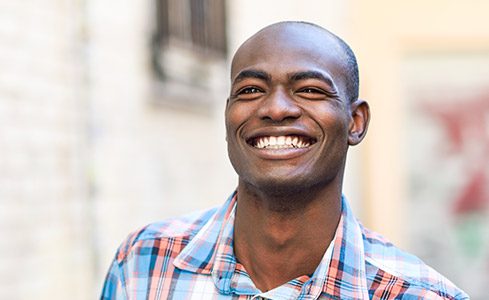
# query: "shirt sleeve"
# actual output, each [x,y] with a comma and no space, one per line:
[114,285]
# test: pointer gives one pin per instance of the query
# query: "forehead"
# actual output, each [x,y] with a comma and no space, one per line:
[281,49]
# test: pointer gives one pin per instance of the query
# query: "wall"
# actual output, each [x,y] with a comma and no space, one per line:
[150,159]
[43,152]
[416,59]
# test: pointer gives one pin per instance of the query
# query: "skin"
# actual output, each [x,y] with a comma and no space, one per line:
[289,79]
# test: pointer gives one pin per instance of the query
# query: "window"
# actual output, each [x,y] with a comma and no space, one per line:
[189,48]
[199,24]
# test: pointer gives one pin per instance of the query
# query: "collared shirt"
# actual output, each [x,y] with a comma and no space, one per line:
[192,258]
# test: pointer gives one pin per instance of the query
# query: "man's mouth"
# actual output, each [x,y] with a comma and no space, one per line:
[281,142]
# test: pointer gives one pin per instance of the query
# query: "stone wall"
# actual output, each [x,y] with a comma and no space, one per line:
[43,152]
[88,152]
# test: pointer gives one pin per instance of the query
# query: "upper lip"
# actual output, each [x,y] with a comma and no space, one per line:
[279,131]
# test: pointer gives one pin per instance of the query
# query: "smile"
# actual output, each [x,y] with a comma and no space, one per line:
[281,142]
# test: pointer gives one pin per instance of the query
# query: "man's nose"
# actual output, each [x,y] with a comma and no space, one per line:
[279,106]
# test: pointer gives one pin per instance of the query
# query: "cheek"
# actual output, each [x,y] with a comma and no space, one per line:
[332,120]
[230,118]
[236,115]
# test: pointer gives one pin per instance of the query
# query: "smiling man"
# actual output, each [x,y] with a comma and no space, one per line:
[287,232]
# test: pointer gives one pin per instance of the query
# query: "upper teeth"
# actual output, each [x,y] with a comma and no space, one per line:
[280,142]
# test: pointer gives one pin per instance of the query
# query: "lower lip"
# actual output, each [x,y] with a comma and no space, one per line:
[280,154]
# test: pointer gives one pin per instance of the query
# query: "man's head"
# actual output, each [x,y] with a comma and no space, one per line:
[293,108]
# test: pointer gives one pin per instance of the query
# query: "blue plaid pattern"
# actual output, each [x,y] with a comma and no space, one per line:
[192,257]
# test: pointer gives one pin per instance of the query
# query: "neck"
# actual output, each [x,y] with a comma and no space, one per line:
[278,238]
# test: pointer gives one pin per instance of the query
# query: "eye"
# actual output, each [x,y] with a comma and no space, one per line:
[249,93]
[310,90]
[312,93]
[249,90]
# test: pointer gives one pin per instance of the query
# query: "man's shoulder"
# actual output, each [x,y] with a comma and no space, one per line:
[179,230]
[387,263]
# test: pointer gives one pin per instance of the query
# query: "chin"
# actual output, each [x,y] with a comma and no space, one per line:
[281,185]
[280,195]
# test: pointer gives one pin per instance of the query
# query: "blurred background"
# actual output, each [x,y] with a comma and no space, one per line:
[111,117]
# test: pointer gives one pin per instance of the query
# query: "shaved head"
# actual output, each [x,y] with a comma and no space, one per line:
[347,56]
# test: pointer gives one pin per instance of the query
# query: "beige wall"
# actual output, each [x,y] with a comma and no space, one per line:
[150,160]
[43,152]
[385,35]
[383,32]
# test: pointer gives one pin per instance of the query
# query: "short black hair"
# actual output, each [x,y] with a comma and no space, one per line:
[353,84]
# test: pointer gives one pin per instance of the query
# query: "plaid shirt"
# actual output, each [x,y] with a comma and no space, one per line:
[193,258]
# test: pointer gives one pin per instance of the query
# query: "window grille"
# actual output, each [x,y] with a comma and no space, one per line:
[196,24]
[189,49]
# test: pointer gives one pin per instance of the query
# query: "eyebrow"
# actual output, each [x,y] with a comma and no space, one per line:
[294,77]
[312,75]
[252,74]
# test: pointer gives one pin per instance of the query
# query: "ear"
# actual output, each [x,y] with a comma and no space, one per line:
[360,117]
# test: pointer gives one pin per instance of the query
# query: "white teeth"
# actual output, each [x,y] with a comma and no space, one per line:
[281,142]
[260,144]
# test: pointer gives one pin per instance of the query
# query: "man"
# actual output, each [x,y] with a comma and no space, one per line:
[287,232]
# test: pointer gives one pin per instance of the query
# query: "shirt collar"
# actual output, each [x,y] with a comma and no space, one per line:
[346,275]
[341,272]
[200,253]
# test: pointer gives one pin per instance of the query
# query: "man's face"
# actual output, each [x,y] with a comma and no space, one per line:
[288,117]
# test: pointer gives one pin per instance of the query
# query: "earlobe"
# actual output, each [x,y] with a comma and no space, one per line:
[360,117]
